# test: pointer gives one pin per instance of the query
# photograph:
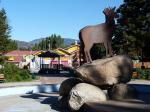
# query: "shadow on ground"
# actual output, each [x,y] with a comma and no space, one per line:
[51,99]
[48,99]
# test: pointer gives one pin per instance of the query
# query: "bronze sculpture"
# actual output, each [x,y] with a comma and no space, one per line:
[101,33]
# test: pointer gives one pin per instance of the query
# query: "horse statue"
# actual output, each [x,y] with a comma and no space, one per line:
[101,33]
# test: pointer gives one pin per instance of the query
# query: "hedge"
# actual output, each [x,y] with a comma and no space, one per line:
[13,73]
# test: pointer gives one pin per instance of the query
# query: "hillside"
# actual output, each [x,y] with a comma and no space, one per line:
[26,45]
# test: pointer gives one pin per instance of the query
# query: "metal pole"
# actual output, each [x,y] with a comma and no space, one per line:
[49,45]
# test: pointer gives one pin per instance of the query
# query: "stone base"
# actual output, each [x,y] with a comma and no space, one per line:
[116,106]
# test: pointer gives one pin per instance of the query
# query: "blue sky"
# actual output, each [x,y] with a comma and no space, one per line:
[32,19]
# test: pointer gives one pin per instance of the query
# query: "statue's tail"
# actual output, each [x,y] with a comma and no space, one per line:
[81,52]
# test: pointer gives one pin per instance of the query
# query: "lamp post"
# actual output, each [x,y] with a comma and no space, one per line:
[49,45]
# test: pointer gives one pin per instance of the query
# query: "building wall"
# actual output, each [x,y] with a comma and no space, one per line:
[139,64]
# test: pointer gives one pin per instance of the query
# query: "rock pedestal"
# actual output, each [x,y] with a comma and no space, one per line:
[93,77]
[67,85]
[83,93]
[122,92]
[109,71]
[65,89]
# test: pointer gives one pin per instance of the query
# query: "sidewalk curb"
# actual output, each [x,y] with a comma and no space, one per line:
[43,88]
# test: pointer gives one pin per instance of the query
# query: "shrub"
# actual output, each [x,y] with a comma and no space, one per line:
[24,74]
[143,73]
[2,59]
[13,73]
[147,74]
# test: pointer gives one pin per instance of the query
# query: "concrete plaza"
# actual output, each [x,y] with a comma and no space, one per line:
[30,103]
[48,102]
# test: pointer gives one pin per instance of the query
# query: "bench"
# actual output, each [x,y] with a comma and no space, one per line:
[2,78]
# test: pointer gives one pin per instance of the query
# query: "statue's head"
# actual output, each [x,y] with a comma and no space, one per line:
[110,14]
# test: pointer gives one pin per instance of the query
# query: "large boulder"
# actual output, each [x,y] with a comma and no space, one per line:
[122,92]
[67,85]
[63,102]
[108,71]
[83,93]
[65,89]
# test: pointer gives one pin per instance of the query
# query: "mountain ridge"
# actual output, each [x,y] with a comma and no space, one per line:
[30,44]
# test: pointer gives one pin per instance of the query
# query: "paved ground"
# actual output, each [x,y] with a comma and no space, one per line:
[13,84]
[135,81]
[44,79]
[30,103]
[42,102]
[38,103]
[52,79]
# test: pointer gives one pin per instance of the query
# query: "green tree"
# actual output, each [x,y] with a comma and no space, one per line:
[4,31]
[3,59]
[35,47]
[12,45]
[42,45]
[98,51]
[132,35]
[51,42]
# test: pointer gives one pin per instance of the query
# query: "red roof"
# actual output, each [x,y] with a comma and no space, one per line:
[17,59]
[20,53]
